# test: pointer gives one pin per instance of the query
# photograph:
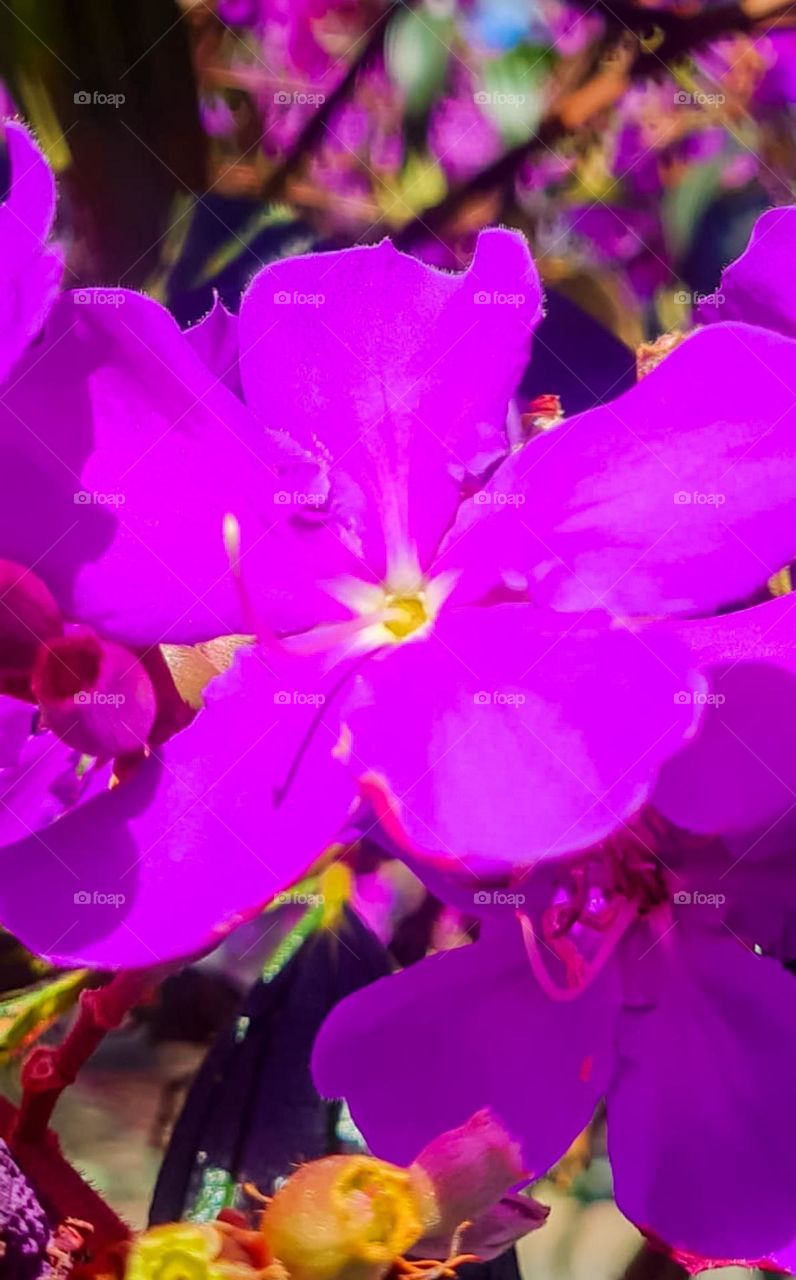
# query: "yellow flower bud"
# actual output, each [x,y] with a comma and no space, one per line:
[343,1218]
[180,1251]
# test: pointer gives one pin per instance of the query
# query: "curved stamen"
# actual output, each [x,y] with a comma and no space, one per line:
[582,974]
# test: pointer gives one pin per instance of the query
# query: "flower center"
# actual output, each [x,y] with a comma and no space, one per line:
[593,903]
[407,614]
[377,1204]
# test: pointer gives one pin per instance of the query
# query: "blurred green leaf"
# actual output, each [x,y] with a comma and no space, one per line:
[417,50]
[685,202]
[512,94]
[26,1015]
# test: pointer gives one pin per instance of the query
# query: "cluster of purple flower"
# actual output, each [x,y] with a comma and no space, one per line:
[532,668]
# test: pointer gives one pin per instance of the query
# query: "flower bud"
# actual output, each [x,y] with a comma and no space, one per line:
[463,1173]
[93,693]
[183,1251]
[461,1179]
[342,1218]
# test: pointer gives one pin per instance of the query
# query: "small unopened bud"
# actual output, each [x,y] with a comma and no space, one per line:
[94,694]
[464,1173]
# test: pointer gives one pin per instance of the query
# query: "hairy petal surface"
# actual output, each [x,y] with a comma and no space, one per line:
[398,373]
[214,338]
[757,286]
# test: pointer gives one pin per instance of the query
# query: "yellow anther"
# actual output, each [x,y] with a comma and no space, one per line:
[408,614]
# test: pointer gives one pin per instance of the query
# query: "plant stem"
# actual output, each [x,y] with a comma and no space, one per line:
[49,1069]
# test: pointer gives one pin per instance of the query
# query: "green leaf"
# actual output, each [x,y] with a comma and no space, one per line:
[685,202]
[417,50]
[512,93]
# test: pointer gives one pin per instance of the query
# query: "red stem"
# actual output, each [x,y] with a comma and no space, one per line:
[49,1069]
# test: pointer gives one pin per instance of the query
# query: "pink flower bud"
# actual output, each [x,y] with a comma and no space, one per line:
[93,693]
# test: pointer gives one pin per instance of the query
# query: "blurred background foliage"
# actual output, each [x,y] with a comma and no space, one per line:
[633,144]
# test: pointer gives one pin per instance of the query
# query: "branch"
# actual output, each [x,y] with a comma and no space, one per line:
[313,132]
[664,37]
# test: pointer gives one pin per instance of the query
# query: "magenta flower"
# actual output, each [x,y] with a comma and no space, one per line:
[634,966]
[460,136]
[475,655]
[612,975]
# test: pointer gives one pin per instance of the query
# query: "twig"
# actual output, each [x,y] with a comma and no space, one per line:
[49,1069]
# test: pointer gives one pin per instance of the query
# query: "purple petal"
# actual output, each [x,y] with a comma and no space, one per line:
[118,499]
[702,1111]
[738,774]
[29,274]
[757,287]
[676,497]
[422,1050]
[16,722]
[487,742]
[400,373]
[229,812]
[215,341]
[491,1233]
[34,790]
